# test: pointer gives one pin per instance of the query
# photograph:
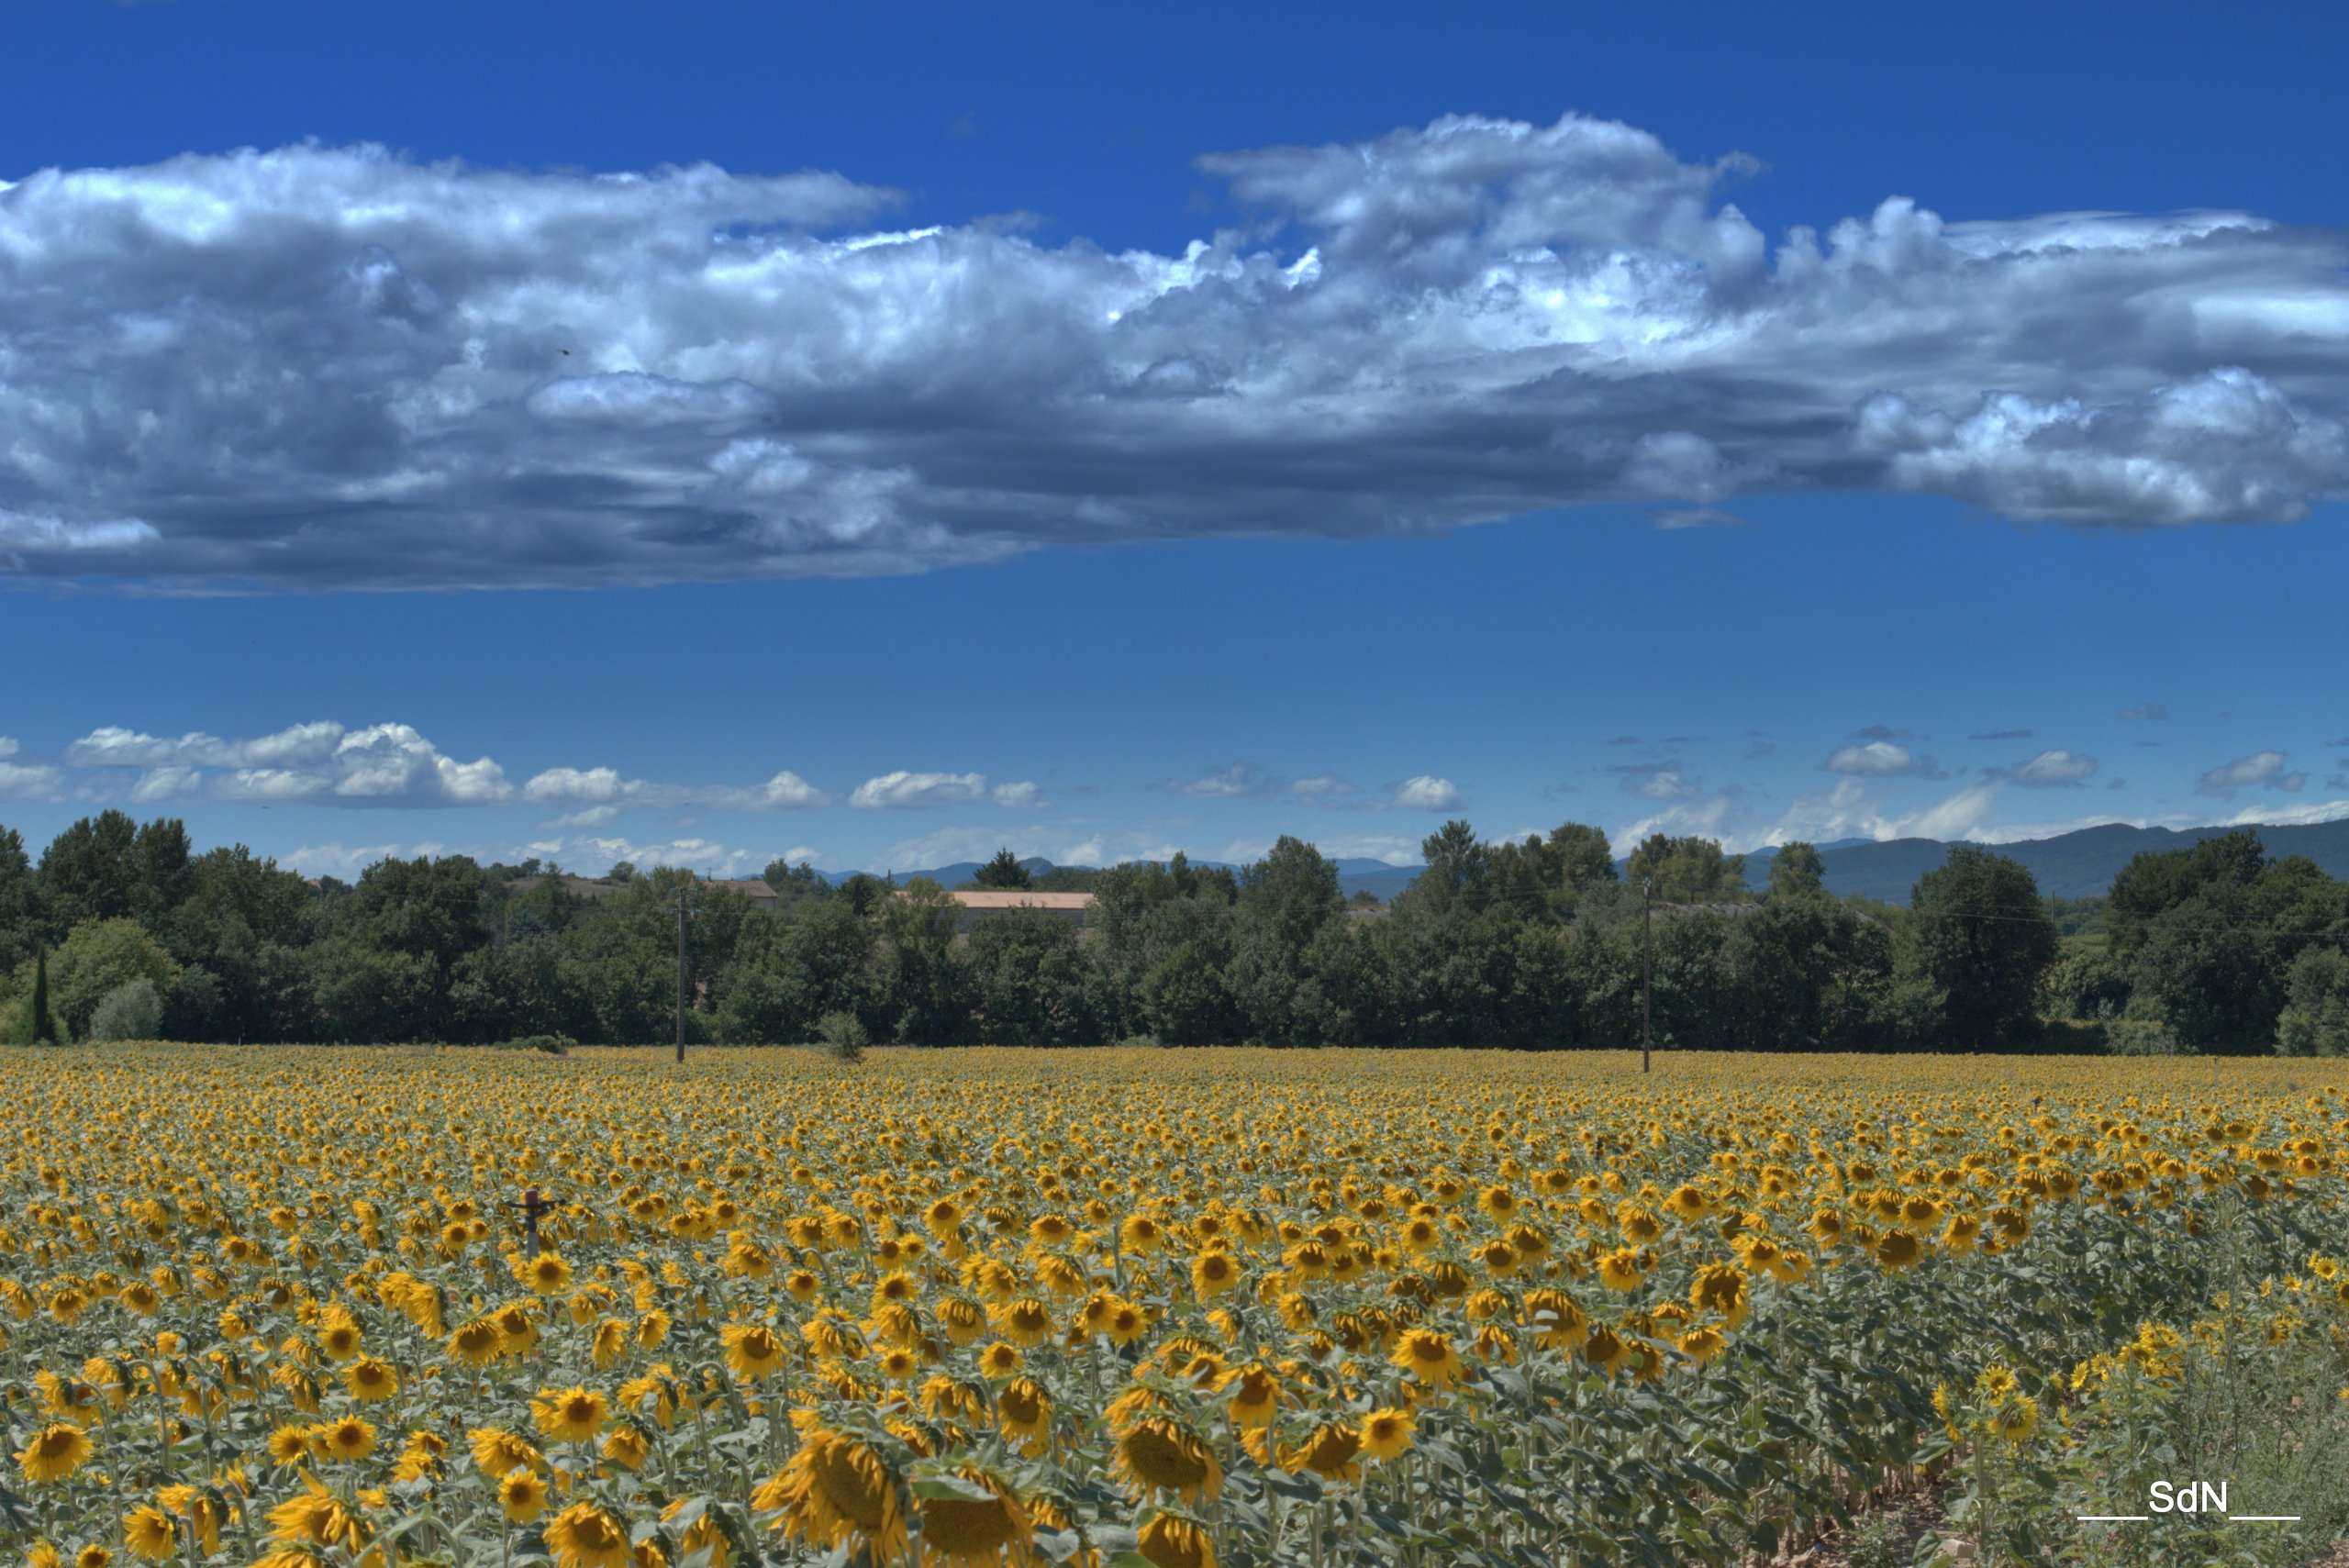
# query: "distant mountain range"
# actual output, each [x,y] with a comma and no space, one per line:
[2079,864]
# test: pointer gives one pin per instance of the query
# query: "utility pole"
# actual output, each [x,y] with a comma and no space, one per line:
[681,970]
[1647,972]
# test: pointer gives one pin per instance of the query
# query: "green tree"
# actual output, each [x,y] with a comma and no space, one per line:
[1459,871]
[1033,986]
[34,1024]
[20,920]
[1688,870]
[106,867]
[1004,871]
[1984,939]
[924,988]
[2315,1019]
[1287,900]
[132,1011]
[97,957]
[1796,869]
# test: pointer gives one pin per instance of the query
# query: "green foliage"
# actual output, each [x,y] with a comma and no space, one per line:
[1983,939]
[100,956]
[545,1044]
[32,1023]
[129,1011]
[2315,1019]
[1004,871]
[1688,870]
[1797,869]
[843,1036]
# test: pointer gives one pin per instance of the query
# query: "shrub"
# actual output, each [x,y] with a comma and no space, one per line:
[129,1011]
[2143,1036]
[843,1036]
[551,1044]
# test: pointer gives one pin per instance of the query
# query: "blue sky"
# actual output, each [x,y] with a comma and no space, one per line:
[909,488]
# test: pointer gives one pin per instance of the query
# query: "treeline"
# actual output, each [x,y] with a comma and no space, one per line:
[121,931]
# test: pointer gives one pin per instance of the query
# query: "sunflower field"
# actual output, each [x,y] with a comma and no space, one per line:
[281,1306]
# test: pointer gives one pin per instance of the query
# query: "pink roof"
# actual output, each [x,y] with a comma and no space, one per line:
[1020,898]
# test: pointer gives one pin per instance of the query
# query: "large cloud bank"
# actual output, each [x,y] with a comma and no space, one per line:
[323,367]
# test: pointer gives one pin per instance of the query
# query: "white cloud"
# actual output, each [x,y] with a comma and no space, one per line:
[336,859]
[1321,784]
[166,783]
[1880,759]
[2051,769]
[20,782]
[604,787]
[589,817]
[598,853]
[904,790]
[1655,781]
[111,746]
[384,764]
[1024,795]
[7,747]
[1427,792]
[1223,783]
[2261,770]
[1475,319]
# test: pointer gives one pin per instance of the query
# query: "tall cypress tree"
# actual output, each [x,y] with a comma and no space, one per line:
[34,1026]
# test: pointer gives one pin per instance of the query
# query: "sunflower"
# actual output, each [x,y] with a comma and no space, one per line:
[705,1534]
[1720,1288]
[2017,1418]
[1170,1541]
[1604,1349]
[151,1534]
[1898,1249]
[1159,1454]
[1387,1433]
[1027,1321]
[496,1450]
[585,1535]
[1213,1274]
[1703,1344]
[1024,1411]
[1000,1359]
[837,1492]
[92,1556]
[1427,1355]
[545,1274]
[349,1438]
[475,1344]
[753,1349]
[1255,1393]
[1329,1453]
[969,1531]
[315,1517]
[370,1379]
[1621,1270]
[523,1496]
[570,1414]
[54,1452]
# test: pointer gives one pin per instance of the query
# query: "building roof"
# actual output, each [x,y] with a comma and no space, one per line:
[1022,898]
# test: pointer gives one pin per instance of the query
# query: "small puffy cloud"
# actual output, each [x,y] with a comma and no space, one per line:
[166,783]
[902,790]
[2145,711]
[1322,785]
[1427,792]
[383,764]
[20,782]
[1228,782]
[1022,795]
[2052,769]
[2261,770]
[299,745]
[1654,781]
[7,747]
[786,791]
[337,859]
[587,816]
[692,854]
[1880,759]
[1670,519]
[1999,735]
